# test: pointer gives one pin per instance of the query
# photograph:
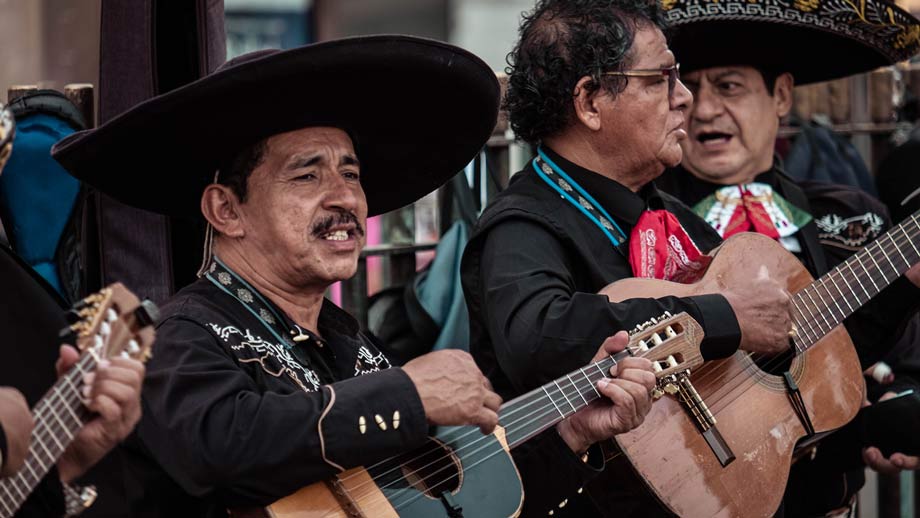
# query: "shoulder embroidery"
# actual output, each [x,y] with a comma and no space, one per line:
[855,231]
[274,358]
[367,362]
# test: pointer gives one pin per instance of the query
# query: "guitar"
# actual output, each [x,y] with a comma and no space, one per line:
[460,471]
[733,458]
[108,323]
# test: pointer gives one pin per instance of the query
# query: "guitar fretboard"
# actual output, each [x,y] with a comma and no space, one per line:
[58,416]
[530,414]
[825,303]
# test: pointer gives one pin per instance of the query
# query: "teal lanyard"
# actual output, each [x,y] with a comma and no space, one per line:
[568,188]
[248,297]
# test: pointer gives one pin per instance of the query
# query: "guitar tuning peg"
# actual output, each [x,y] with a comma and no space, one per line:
[111,315]
[643,346]
[98,342]
[133,347]
[669,331]
[105,329]
[672,362]
[656,339]
[671,388]
[657,393]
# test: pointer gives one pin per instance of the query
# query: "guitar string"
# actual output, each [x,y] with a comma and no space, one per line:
[807,327]
[467,455]
[762,374]
[468,430]
[838,271]
[47,430]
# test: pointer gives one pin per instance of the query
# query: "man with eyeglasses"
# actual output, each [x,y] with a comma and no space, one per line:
[732,178]
[594,87]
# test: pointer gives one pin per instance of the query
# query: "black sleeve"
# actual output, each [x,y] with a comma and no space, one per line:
[46,500]
[547,462]
[541,327]
[218,435]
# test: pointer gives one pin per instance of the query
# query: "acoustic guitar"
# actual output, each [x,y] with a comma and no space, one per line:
[730,455]
[462,473]
[105,324]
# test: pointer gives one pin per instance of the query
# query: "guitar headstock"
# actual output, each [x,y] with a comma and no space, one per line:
[113,322]
[672,343]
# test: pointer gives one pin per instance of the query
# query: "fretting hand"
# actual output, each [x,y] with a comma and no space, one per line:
[626,400]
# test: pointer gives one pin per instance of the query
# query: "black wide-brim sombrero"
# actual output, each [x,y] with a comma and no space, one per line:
[815,40]
[418,111]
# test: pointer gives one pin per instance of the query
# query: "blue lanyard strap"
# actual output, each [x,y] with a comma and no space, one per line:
[568,188]
[248,297]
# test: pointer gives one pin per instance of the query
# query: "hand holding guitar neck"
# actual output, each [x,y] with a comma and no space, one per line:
[627,402]
[453,390]
[113,394]
[16,419]
[762,308]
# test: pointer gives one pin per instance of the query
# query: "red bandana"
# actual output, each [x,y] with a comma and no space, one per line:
[659,248]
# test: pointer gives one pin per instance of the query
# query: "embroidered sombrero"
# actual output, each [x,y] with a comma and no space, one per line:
[815,40]
[417,110]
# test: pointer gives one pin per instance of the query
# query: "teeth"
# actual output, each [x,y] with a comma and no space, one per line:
[338,235]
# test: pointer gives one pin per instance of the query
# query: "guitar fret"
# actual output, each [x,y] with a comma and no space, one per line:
[869,275]
[8,500]
[576,389]
[896,247]
[909,241]
[566,397]
[801,325]
[808,292]
[19,491]
[842,294]
[44,448]
[63,426]
[830,296]
[591,383]
[893,267]
[877,266]
[553,402]
[859,282]
[68,407]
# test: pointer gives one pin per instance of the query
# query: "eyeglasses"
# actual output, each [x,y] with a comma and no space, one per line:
[672,73]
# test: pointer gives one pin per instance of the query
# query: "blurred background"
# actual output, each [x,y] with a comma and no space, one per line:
[53,43]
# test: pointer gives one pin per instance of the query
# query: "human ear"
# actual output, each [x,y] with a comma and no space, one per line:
[221,207]
[587,109]
[782,94]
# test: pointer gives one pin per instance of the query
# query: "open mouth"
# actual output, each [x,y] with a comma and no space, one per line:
[337,235]
[713,138]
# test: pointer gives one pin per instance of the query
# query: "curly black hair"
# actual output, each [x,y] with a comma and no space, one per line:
[562,41]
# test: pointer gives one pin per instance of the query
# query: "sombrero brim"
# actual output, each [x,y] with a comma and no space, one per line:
[419,111]
[815,40]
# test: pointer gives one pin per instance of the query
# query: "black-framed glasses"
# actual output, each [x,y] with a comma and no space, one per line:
[672,73]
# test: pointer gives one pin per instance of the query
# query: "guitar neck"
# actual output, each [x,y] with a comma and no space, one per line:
[58,416]
[530,414]
[825,303]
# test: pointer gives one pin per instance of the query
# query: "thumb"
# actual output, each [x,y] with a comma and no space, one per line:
[612,345]
[67,358]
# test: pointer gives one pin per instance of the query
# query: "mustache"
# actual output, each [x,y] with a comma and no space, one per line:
[325,224]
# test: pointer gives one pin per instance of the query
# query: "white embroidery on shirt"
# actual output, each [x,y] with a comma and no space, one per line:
[239,340]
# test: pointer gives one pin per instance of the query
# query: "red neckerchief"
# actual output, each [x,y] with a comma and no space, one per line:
[659,248]
[750,215]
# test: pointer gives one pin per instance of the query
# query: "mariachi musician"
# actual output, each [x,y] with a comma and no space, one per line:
[732,178]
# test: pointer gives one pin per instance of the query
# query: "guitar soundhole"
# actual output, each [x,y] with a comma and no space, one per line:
[775,364]
[434,471]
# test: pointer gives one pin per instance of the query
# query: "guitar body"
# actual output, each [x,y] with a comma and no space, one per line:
[484,483]
[752,407]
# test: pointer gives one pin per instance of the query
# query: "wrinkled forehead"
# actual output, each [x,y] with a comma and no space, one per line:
[322,141]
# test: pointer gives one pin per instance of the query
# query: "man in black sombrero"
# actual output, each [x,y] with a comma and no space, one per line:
[259,385]
[742,88]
